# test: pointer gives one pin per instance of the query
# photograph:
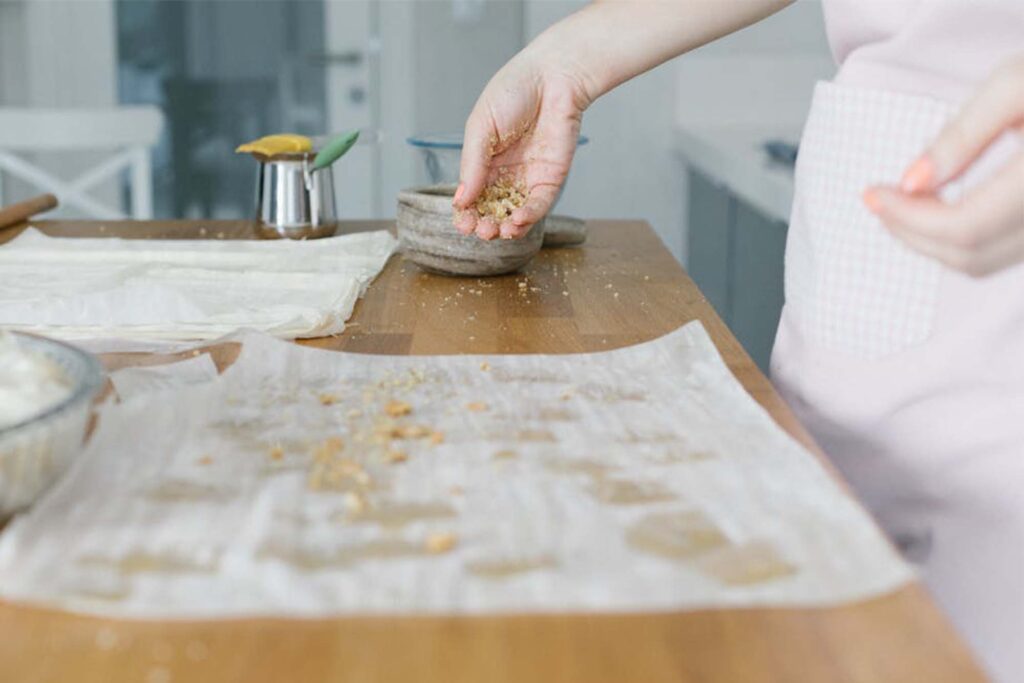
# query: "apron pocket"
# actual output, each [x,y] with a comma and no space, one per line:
[850,285]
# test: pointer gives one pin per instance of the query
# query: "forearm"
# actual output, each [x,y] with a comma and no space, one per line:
[611,41]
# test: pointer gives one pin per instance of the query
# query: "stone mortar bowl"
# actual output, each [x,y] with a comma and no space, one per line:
[429,239]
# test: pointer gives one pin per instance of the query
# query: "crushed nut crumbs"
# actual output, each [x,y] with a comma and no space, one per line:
[355,502]
[329,448]
[397,408]
[500,198]
[443,542]
[414,432]
[393,457]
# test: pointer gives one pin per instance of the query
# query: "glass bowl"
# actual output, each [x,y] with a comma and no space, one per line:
[35,452]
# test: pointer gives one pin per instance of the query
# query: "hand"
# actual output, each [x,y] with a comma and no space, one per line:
[524,127]
[984,231]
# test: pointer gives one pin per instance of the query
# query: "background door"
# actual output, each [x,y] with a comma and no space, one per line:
[350,63]
[225,71]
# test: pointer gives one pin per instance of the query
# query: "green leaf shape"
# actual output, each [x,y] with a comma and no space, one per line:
[335,149]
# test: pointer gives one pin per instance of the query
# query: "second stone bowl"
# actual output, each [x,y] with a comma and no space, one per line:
[429,239]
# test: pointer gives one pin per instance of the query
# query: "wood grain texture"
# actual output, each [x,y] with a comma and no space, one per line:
[621,288]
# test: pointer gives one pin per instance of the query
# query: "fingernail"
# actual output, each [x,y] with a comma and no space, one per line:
[872,200]
[458,195]
[919,177]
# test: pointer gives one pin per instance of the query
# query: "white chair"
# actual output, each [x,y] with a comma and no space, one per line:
[127,133]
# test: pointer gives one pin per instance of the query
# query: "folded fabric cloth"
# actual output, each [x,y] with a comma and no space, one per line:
[82,288]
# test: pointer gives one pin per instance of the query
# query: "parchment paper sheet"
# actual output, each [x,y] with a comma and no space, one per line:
[208,499]
[151,292]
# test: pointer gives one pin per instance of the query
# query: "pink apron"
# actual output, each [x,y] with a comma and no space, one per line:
[911,376]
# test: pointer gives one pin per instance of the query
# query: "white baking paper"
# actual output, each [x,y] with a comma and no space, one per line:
[157,291]
[131,382]
[209,500]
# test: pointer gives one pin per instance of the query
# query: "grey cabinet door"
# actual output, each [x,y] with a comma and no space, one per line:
[757,292]
[710,221]
[736,258]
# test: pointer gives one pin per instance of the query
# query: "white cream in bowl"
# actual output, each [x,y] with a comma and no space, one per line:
[30,383]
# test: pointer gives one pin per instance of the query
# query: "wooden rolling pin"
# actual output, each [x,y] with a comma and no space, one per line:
[16,213]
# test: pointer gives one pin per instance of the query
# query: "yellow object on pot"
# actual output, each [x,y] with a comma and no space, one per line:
[283,143]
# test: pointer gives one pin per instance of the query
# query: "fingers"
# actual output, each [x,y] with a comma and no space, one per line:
[510,231]
[993,208]
[476,158]
[977,262]
[949,256]
[997,106]
[537,205]
[465,221]
[981,233]
[924,215]
[486,228]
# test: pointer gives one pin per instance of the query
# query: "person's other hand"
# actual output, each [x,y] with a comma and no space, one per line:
[524,127]
[984,231]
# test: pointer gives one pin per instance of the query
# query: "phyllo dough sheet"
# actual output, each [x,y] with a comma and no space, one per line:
[309,482]
[174,290]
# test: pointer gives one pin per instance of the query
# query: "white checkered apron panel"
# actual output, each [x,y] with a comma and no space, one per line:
[850,285]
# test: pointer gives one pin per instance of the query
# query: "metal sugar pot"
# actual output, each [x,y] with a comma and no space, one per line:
[294,199]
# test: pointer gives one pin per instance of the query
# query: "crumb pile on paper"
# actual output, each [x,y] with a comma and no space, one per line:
[308,482]
[174,290]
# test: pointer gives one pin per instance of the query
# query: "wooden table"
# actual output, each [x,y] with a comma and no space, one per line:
[623,287]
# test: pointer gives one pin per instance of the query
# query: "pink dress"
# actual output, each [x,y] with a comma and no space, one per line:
[910,375]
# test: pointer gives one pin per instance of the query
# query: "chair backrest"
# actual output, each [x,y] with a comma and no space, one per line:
[127,133]
[44,130]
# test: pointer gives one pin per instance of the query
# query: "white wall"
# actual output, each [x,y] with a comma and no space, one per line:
[57,54]
[458,47]
[71,55]
[761,77]
[436,57]
[13,76]
[765,71]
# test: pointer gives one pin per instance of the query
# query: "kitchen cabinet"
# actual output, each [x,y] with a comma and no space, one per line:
[736,257]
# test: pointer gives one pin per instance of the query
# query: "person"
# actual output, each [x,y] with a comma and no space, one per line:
[901,343]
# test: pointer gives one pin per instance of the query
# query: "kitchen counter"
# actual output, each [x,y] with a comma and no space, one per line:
[733,156]
[621,288]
